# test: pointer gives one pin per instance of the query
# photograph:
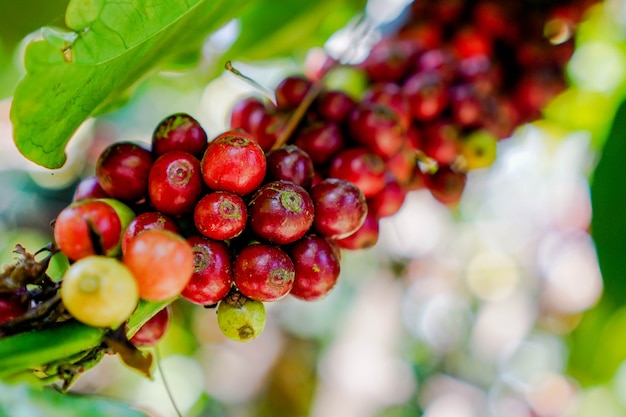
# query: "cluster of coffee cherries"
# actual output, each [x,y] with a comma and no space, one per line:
[263,210]
[214,222]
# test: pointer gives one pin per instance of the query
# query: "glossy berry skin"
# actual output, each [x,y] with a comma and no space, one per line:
[234,162]
[320,141]
[388,201]
[175,183]
[263,272]
[213,274]
[99,291]
[340,208]
[427,94]
[389,59]
[446,185]
[361,167]
[88,227]
[443,144]
[317,267]
[152,331]
[122,170]
[290,163]
[11,307]
[220,215]
[147,221]
[179,132]
[378,128]
[266,127]
[291,91]
[240,318]
[281,212]
[162,263]
[365,237]
[334,105]
[390,95]
[242,113]
[88,188]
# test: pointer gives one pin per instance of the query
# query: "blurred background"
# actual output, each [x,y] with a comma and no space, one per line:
[492,308]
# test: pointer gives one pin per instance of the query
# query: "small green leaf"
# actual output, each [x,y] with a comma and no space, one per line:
[116,43]
[27,401]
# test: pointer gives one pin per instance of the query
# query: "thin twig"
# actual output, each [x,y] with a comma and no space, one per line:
[157,356]
[262,89]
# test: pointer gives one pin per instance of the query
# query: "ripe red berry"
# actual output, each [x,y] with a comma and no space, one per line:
[146,221]
[122,171]
[220,215]
[263,273]
[390,95]
[234,162]
[378,128]
[389,200]
[243,111]
[179,132]
[317,267]
[175,183]
[320,141]
[281,212]
[88,227]
[365,237]
[446,185]
[340,208]
[154,329]
[11,307]
[87,188]
[361,167]
[291,91]
[334,105]
[290,163]
[427,94]
[213,274]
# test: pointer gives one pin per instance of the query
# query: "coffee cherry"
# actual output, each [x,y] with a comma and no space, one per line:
[320,141]
[11,307]
[179,132]
[88,227]
[361,167]
[213,275]
[291,91]
[234,162]
[317,267]
[479,149]
[389,59]
[335,105]
[378,128]
[340,208]
[240,318]
[154,329]
[175,183]
[427,95]
[446,185]
[388,201]
[243,111]
[281,212]
[161,262]
[89,188]
[146,221]
[220,215]
[290,163]
[266,127]
[122,171]
[390,95]
[263,272]
[365,237]
[99,291]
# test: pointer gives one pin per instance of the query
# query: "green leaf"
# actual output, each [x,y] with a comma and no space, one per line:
[21,352]
[26,401]
[608,200]
[289,25]
[117,43]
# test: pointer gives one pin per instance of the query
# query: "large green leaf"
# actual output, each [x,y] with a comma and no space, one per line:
[114,44]
[608,199]
[26,401]
[289,26]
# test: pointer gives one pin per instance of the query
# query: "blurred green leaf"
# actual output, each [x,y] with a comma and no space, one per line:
[608,199]
[117,44]
[274,28]
[27,401]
